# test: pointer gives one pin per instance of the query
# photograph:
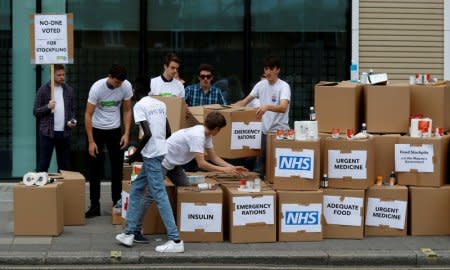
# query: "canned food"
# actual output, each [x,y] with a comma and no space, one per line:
[349,133]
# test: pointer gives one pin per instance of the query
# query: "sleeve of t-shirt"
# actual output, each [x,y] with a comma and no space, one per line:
[139,113]
[93,98]
[153,87]
[255,91]
[196,145]
[128,91]
[208,142]
[285,92]
[182,94]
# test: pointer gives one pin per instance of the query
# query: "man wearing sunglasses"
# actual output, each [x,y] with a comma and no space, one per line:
[203,93]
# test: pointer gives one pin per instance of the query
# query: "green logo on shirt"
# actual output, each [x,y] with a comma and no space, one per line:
[109,103]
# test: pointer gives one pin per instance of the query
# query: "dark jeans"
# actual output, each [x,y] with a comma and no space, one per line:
[46,145]
[110,138]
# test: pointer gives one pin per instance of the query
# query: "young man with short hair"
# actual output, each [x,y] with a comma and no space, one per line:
[166,84]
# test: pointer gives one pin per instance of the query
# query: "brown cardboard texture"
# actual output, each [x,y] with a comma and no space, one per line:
[190,197]
[44,218]
[270,139]
[195,116]
[429,210]
[255,206]
[387,108]
[296,164]
[152,220]
[344,146]
[302,199]
[176,111]
[427,179]
[222,141]
[116,214]
[74,197]
[343,231]
[385,154]
[338,106]
[387,194]
[433,102]
[126,171]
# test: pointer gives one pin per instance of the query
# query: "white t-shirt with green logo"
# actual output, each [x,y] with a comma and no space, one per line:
[107,103]
[160,87]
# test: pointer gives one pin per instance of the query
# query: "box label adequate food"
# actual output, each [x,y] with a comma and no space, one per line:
[389,213]
[353,164]
[297,217]
[294,163]
[206,217]
[248,135]
[345,212]
[409,157]
[248,210]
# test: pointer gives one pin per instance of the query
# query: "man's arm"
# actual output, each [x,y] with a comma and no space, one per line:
[126,108]
[280,108]
[145,138]
[205,165]
[219,161]
[40,107]
[90,108]
[244,101]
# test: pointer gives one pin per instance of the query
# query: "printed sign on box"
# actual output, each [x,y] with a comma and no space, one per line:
[409,157]
[206,217]
[245,135]
[248,210]
[293,163]
[346,212]
[390,213]
[353,164]
[297,218]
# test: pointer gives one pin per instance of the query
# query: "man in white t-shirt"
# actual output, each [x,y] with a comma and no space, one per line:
[102,123]
[274,95]
[150,114]
[166,84]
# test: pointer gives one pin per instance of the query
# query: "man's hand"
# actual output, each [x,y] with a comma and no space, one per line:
[124,141]
[72,123]
[261,110]
[51,104]
[233,170]
[93,151]
[136,156]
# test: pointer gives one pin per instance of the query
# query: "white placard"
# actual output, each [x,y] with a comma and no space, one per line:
[297,217]
[50,39]
[390,213]
[294,163]
[409,157]
[245,135]
[125,203]
[206,217]
[353,164]
[248,210]
[346,212]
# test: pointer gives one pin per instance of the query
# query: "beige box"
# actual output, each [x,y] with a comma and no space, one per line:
[200,214]
[338,106]
[429,210]
[386,211]
[293,165]
[300,215]
[251,215]
[176,111]
[194,116]
[223,140]
[427,179]
[74,197]
[38,210]
[347,169]
[126,171]
[116,216]
[385,154]
[343,213]
[433,102]
[152,220]
[387,108]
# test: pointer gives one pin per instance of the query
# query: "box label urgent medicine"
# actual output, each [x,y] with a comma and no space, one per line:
[353,164]
[389,213]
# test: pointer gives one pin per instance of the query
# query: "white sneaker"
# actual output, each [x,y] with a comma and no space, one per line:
[126,239]
[171,246]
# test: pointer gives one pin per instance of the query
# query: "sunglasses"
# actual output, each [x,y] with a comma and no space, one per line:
[208,77]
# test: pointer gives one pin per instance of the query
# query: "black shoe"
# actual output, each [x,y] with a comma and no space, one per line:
[93,211]
[139,238]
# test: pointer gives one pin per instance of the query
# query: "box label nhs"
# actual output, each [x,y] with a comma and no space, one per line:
[294,163]
[296,217]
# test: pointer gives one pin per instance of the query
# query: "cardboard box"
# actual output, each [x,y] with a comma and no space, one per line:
[433,102]
[387,108]
[152,220]
[251,215]
[343,213]
[431,151]
[116,216]
[300,215]
[429,210]
[241,137]
[293,165]
[386,211]
[38,210]
[199,214]
[126,171]
[338,106]
[349,164]
[74,197]
[385,154]
[176,111]
[195,116]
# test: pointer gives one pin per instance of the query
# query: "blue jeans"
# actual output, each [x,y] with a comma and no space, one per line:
[151,176]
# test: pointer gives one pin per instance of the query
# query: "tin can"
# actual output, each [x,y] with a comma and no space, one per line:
[439,132]
[349,133]
[379,181]
[290,134]
[280,135]
[335,132]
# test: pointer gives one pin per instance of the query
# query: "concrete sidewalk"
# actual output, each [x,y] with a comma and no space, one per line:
[94,242]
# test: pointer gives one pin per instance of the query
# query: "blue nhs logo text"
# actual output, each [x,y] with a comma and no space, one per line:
[302,218]
[294,163]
